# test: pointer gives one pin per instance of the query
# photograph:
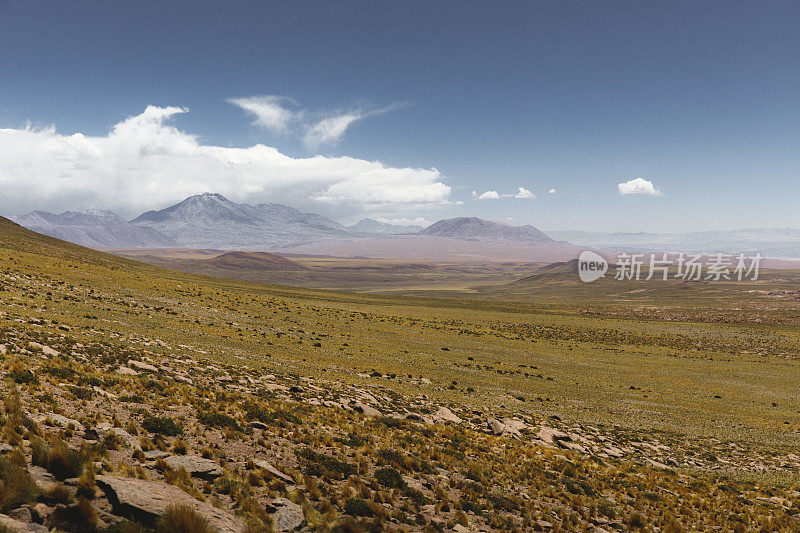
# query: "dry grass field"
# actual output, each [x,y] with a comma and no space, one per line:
[462,400]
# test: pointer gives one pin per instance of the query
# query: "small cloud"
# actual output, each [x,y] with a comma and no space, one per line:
[522,192]
[552,191]
[525,194]
[638,186]
[329,130]
[269,111]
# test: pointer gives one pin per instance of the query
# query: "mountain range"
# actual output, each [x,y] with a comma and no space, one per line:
[775,242]
[479,230]
[94,229]
[211,221]
[370,225]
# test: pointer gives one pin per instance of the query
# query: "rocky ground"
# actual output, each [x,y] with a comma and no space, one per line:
[100,436]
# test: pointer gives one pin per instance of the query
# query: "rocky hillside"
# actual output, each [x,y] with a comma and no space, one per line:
[169,402]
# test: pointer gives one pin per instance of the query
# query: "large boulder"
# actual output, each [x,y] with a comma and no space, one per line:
[147,501]
[16,526]
[196,466]
[286,516]
[445,416]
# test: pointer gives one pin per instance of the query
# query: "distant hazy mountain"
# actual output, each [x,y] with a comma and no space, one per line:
[95,229]
[778,242]
[476,229]
[212,221]
[370,225]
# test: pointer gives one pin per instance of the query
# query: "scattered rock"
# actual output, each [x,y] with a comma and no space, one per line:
[126,371]
[496,426]
[5,448]
[365,409]
[45,349]
[286,516]
[445,415]
[15,525]
[551,435]
[59,420]
[148,500]
[106,429]
[196,466]
[152,455]
[23,514]
[143,366]
[266,465]
[656,464]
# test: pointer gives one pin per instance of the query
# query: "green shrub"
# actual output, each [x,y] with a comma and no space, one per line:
[357,507]
[389,477]
[23,377]
[161,425]
[319,464]
[219,420]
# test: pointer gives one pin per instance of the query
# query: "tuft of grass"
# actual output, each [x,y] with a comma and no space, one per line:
[64,462]
[180,518]
[17,487]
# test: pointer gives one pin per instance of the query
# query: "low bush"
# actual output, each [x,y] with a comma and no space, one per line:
[161,425]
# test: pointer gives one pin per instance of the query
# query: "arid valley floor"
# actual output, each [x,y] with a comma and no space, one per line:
[466,405]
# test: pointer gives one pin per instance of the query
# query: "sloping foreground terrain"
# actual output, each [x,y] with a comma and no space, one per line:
[137,398]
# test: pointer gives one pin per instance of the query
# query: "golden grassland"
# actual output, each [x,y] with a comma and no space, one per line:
[702,368]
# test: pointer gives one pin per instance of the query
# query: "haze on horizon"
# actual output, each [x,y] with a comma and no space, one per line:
[608,117]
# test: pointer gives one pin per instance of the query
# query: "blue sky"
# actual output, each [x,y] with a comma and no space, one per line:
[701,99]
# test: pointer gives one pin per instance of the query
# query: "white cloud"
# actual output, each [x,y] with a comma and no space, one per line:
[522,193]
[525,194]
[269,111]
[272,113]
[638,186]
[552,191]
[147,163]
[489,195]
[329,130]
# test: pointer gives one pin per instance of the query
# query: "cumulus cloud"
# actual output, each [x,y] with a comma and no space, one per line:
[145,162]
[638,186]
[489,195]
[524,194]
[270,111]
[521,193]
